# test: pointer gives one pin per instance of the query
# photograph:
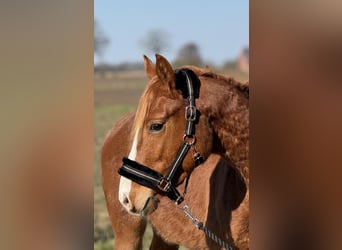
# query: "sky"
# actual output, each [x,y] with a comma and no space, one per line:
[220,28]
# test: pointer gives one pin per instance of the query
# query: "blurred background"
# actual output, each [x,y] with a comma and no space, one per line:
[49,121]
[191,32]
[207,33]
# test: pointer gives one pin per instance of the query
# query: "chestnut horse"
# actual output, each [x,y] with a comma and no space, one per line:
[222,128]
[214,182]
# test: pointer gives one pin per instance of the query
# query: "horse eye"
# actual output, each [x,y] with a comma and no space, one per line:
[155,127]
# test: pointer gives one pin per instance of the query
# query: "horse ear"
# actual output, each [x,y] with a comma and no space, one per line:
[150,68]
[165,73]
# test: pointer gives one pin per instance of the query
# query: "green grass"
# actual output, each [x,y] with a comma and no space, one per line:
[106,245]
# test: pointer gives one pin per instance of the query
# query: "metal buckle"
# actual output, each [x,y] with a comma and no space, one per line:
[179,200]
[164,185]
[189,139]
[190,113]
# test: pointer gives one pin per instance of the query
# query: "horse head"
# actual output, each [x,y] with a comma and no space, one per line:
[158,132]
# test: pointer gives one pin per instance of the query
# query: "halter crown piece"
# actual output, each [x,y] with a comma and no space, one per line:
[150,178]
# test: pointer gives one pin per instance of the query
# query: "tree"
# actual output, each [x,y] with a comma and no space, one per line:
[101,41]
[156,41]
[189,54]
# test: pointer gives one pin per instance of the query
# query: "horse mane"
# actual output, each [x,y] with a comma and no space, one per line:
[206,72]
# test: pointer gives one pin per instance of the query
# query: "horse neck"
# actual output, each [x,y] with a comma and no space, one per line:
[227,108]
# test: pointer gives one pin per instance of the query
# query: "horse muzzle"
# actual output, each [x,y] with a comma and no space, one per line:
[150,178]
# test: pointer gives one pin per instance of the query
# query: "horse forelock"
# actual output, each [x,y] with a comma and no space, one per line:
[149,94]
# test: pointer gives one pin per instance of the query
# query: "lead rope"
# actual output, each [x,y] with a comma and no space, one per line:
[200,226]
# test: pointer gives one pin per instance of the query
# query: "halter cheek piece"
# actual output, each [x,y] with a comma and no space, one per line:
[150,178]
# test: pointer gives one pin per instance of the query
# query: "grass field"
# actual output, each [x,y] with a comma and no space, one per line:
[115,97]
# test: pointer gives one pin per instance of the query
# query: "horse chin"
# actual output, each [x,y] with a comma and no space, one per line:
[149,207]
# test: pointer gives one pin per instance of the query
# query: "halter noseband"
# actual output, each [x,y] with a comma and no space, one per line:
[150,178]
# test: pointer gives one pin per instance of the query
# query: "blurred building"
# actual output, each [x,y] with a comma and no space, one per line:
[243,60]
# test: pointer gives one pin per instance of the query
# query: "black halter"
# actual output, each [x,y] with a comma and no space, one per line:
[152,179]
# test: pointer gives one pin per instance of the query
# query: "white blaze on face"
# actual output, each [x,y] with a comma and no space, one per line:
[125,184]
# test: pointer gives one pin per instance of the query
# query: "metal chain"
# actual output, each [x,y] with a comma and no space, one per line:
[200,226]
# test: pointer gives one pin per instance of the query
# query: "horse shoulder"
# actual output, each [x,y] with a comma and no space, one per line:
[116,141]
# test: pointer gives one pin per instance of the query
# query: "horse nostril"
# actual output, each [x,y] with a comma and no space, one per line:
[125,201]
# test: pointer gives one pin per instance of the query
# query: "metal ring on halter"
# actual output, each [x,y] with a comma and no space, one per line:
[190,113]
[189,139]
